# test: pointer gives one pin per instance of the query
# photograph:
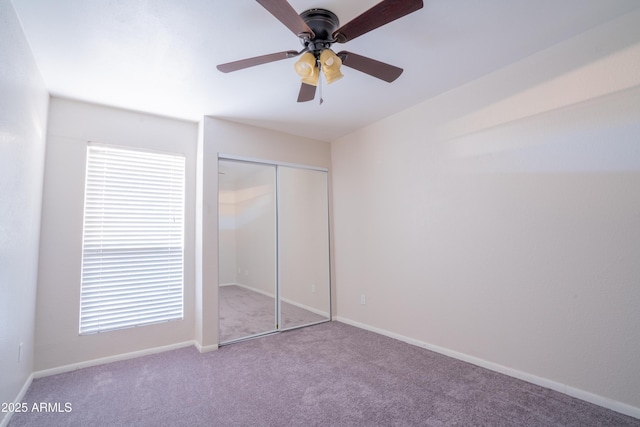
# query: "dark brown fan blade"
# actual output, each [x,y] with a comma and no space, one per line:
[379,15]
[257,60]
[286,14]
[307,93]
[374,68]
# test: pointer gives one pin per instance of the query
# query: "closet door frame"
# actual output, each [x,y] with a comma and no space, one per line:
[278,305]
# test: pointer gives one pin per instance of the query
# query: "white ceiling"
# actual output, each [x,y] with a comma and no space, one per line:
[160,56]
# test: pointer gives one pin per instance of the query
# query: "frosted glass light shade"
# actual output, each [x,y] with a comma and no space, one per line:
[307,69]
[331,64]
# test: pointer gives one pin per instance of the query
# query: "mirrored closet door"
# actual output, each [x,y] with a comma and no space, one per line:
[273,248]
[303,218]
[247,250]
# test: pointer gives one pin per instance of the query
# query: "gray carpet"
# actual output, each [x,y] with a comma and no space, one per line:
[330,374]
[244,313]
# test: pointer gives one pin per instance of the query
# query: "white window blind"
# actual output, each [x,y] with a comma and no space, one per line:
[132,258]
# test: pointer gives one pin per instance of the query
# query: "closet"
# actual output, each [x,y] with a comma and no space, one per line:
[273,246]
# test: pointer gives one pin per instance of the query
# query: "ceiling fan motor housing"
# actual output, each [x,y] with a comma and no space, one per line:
[323,23]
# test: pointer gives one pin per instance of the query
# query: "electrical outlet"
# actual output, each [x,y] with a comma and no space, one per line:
[313,287]
[363,299]
[19,352]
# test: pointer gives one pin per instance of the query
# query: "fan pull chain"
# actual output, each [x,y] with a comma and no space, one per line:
[320,83]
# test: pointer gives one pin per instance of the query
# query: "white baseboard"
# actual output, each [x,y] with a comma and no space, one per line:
[596,399]
[260,291]
[5,421]
[288,301]
[305,307]
[109,359]
[205,348]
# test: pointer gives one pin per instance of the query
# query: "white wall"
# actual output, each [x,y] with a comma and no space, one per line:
[500,222]
[23,120]
[256,229]
[71,125]
[220,136]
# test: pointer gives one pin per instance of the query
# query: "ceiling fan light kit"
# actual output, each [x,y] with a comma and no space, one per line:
[317,30]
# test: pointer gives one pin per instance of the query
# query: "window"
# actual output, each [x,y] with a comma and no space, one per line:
[132,256]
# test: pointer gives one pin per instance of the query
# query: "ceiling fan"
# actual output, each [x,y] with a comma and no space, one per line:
[317,30]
